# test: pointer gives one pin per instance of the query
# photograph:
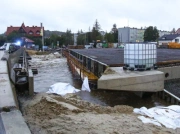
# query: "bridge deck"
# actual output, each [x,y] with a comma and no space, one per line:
[115,57]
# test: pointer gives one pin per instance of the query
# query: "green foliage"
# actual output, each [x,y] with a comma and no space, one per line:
[115,36]
[37,40]
[88,37]
[114,31]
[97,25]
[2,40]
[85,38]
[61,40]
[151,34]
[81,39]
[53,40]
[109,37]
[14,36]
[47,42]
[69,40]
[65,39]
[95,35]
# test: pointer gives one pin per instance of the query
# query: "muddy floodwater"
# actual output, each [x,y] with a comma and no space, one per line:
[52,70]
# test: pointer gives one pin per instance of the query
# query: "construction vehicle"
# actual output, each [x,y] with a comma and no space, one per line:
[173,45]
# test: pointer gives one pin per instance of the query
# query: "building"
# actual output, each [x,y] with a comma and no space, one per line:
[161,33]
[178,31]
[75,39]
[124,34]
[140,35]
[34,31]
[26,42]
[165,39]
[127,34]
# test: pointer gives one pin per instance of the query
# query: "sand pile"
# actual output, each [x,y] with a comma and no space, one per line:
[53,114]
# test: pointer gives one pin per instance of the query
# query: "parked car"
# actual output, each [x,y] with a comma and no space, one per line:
[3,47]
[45,48]
[11,47]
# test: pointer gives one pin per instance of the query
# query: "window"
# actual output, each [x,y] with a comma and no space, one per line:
[30,32]
[176,40]
[37,32]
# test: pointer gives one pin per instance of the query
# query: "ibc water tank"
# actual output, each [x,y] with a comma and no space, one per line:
[140,56]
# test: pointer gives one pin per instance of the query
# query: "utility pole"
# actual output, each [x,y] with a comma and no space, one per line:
[42,34]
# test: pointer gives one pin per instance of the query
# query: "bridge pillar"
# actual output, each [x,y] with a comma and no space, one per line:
[31,82]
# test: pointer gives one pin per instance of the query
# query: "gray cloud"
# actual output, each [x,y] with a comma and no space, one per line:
[81,14]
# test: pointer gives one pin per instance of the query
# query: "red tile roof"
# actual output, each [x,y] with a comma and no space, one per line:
[34,30]
[178,31]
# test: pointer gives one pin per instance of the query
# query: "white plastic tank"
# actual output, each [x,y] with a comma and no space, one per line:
[140,55]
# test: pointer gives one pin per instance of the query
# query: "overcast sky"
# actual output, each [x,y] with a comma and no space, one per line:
[61,15]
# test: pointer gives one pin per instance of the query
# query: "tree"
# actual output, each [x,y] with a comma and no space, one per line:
[68,38]
[97,25]
[13,36]
[151,34]
[114,31]
[95,35]
[47,41]
[109,37]
[37,41]
[81,39]
[53,40]
[2,40]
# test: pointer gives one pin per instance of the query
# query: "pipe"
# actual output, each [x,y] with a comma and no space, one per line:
[172,95]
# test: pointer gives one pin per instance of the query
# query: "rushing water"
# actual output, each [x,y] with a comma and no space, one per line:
[56,70]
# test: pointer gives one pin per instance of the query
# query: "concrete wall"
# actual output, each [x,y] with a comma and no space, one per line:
[171,72]
[116,78]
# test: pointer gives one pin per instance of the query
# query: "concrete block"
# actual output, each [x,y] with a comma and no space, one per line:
[118,79]
[31,82]
[171,72]
[167,71]
[6,94]
[176,72]
[14,123]
[3,67]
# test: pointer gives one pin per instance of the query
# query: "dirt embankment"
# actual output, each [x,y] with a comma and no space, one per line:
[53,114]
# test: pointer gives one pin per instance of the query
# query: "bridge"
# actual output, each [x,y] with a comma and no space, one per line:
[104,67]
[14,70]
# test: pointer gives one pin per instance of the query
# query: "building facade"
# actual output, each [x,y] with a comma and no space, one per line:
[127,34]
[140,35]
[165,39]
[35,31]
[124,34]
[161,33]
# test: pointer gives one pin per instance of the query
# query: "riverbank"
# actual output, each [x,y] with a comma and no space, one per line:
[53,114]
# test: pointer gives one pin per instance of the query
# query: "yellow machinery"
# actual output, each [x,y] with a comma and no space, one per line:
[173,45]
